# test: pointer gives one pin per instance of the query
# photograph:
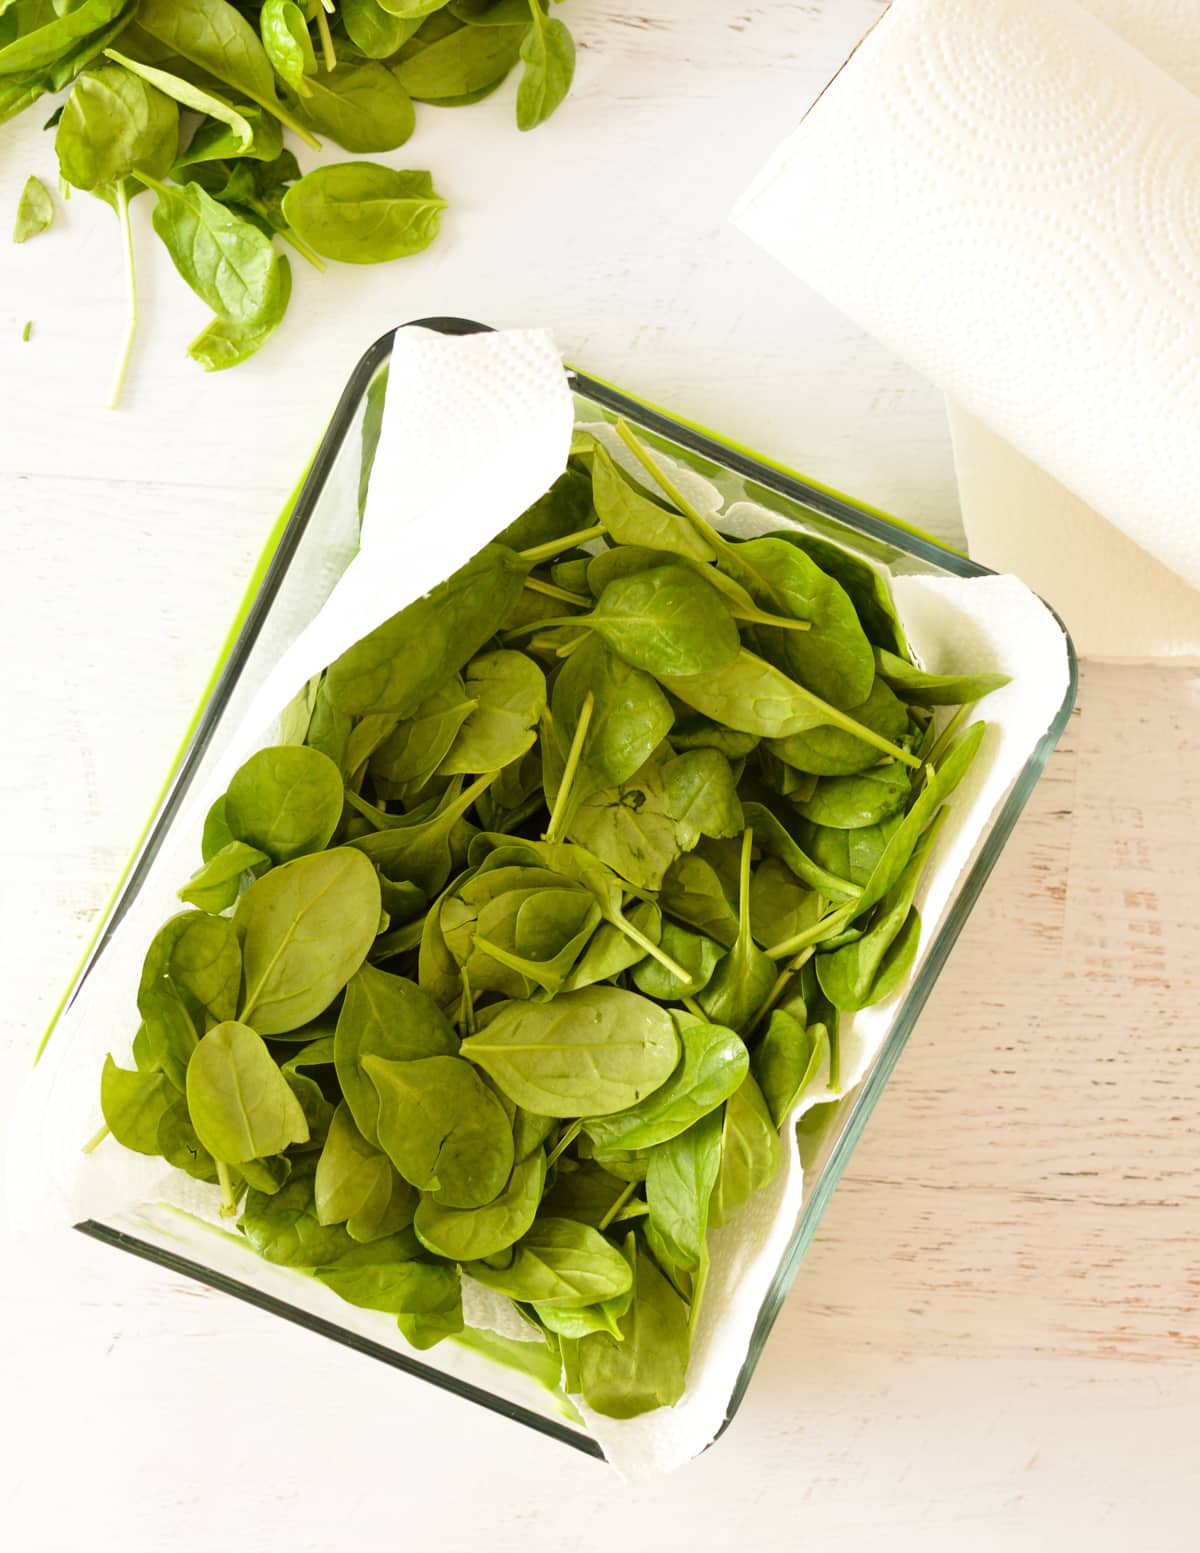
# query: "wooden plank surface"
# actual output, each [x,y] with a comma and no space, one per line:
[994,1340]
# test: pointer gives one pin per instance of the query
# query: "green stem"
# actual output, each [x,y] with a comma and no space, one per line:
[553,591]
[948,732]
[326,37]
[546,552]
[574,755]
[565,1142]
[305,251]
[840,719]
[694,1008]
[228,1200]
[623,925]
[131,285]
[567,648]
[467,1007]
[94,1143]
[617,1206]
[672,492]
[762,618]
[830,924]
[777,990]
[551,623]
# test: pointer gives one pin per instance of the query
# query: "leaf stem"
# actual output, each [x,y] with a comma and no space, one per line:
[777,990]
[565,1142]
[948,732]
[553,591]
[326,37]
[830,924]
[94,1143]
[574,755]
[623,925]
[228,1200]
[551,623]
[122,194]
[694,1008]
[304,250]
[546,552]
[617,1206]
[671,491]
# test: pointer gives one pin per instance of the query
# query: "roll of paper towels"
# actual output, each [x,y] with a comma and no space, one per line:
[1008,195]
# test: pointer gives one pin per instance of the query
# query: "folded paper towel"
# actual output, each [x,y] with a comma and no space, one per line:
[1005,193]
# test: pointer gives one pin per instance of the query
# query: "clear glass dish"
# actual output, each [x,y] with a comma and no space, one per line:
[310,546]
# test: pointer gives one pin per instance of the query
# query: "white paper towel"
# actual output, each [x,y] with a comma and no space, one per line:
[1008,195]
[427,514]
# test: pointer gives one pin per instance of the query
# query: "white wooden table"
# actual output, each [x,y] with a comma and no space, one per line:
[995,1338]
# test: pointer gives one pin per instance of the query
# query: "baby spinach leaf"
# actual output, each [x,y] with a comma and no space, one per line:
[169,1032]
[647,1367]
[509,692]
[133,1105]
[702,796]
[442,1127]
[464,62]
[787,1060]
[384,1016]
[866,587]
[410,756]
[631,827]
[751,1152]
[854,802]
[609,951]
[373,28]
[362,213]
[424,1328]
[666,620]
[113,125]
[548,54]
[360,104]
[693,732]
[357,1185]
[179,1145]
[223,343]
[386,1276]
[216,885]
[780,906]
[418,846]
[559,1262]
[692,892]
[680,1178]
[697,955]
[829,751]
[231,131]
[744,975]
[286,801]
[283,1226]
[634,518]
[923,689]
[240,1104]
[585,1053]
[401,663]
[286,41]
[47,36]
[35,210]
[714,1063]
[468,1234]
[306,927]
[774,840]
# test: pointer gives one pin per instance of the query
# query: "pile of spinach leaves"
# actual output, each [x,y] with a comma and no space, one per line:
[515,962]
[188,99]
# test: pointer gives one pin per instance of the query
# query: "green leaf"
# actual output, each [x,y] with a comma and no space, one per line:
[713,1065]
[283,1226]
[375,1277]
[112,126]
[216,884]
[48,37]
[223,343]
[692,892]
[233,131]
[133,1105]
[374,30]
[646,1367]
[285,801]
[240,1104]
[751,1152]
[548,54]
[357,1185]
[698,955]
[443,1128]
[360,104]
[559,1262]
[468,1234]
[410,756]
[935,689]
[585,1053]
[829,751]
[401,663]
[384,1016]
[854,802]
[35,211]
[787,1060]
[283,28]
[633,518]
[306,928]
[465,62]
[744,976]
[362,213]
[179,1145]
[509,692]
[780,906]
[680,1179]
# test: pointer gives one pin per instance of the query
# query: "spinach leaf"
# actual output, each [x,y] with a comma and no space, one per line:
[386,1276]
[133,1105]
[469,1234]
[780,906]
[713,1065]
[854,802]
[283,1226]
[373,28]
[744,975]
[829,751]
[548,54]
[217,883]
[35,211]
[692,892]
[585,1053]
[634,518]
[680,1178]
[224,343]
[357,1185]
[787,1060]
[240,1104]
[560,1262]
[362,213]
[442,1127]
[306,927]
[699,956]
[404,660]
[751,1152]
[287,43]
[459,65]
[923,689]
[646,1367]
[509,692]
[285,801]
[410,756]
[384,1016]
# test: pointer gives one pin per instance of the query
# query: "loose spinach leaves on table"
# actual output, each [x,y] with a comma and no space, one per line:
[518,962]
[346,70]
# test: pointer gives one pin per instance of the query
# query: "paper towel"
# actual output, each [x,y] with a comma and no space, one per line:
[1008,195]
[455,407]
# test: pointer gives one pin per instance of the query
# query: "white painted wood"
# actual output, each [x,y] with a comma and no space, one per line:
[994,1341]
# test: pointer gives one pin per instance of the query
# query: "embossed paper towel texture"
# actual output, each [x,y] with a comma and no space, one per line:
[1009,196]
